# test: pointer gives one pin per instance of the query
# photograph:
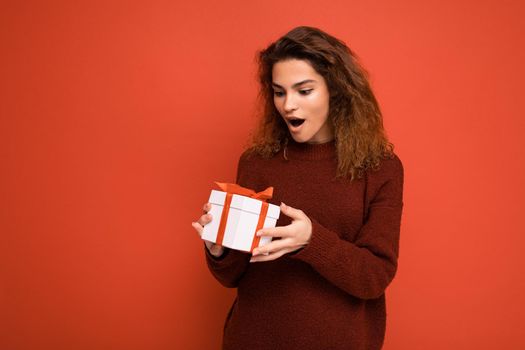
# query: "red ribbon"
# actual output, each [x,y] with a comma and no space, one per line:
[232,189]
[243,191]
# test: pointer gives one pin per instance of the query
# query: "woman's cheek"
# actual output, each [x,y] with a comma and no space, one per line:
[277,105]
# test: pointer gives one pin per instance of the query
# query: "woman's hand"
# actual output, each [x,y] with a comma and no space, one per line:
[293,237]
[214,249]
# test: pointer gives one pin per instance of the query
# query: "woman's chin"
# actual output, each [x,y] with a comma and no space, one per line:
[298,138]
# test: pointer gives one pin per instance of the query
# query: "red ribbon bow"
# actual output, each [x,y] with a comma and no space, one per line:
[243,191]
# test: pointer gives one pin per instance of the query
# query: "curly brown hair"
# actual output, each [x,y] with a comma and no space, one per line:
[354,113]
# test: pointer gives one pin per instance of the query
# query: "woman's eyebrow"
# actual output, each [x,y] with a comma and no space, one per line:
[296,84]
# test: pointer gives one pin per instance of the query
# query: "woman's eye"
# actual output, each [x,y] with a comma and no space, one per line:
[302,92]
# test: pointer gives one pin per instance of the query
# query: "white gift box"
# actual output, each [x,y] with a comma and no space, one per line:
[242,220]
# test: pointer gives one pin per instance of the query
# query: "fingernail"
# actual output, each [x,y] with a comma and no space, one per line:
[259,233]
[284,205]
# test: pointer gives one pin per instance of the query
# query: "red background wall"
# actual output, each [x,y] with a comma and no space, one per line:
[116,118]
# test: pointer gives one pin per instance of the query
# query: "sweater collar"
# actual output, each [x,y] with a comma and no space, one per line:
[310,151]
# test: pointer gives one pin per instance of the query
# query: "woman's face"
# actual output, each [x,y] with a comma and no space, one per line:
[301,96]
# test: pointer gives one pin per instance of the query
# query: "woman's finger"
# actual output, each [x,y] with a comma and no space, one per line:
[206,208]
[209,244]
[216,250]
[271,256]
[273,246]
[198,227]
[278,231]
[205,219]
[291,212]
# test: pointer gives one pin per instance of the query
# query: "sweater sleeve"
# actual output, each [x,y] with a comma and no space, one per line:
[231,265]
[366,266]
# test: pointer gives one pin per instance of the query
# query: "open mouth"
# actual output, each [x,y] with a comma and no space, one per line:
[296,122]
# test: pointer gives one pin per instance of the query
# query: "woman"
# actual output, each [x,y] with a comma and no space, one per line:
[320,284]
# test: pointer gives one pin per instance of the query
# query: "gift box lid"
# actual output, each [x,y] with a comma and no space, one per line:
[273,211]
[244,203]
[217,197]
[252,205]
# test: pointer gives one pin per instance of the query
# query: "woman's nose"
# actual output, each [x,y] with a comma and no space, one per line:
[289,103]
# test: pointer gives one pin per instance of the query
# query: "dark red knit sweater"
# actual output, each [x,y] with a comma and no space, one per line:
[331,293]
